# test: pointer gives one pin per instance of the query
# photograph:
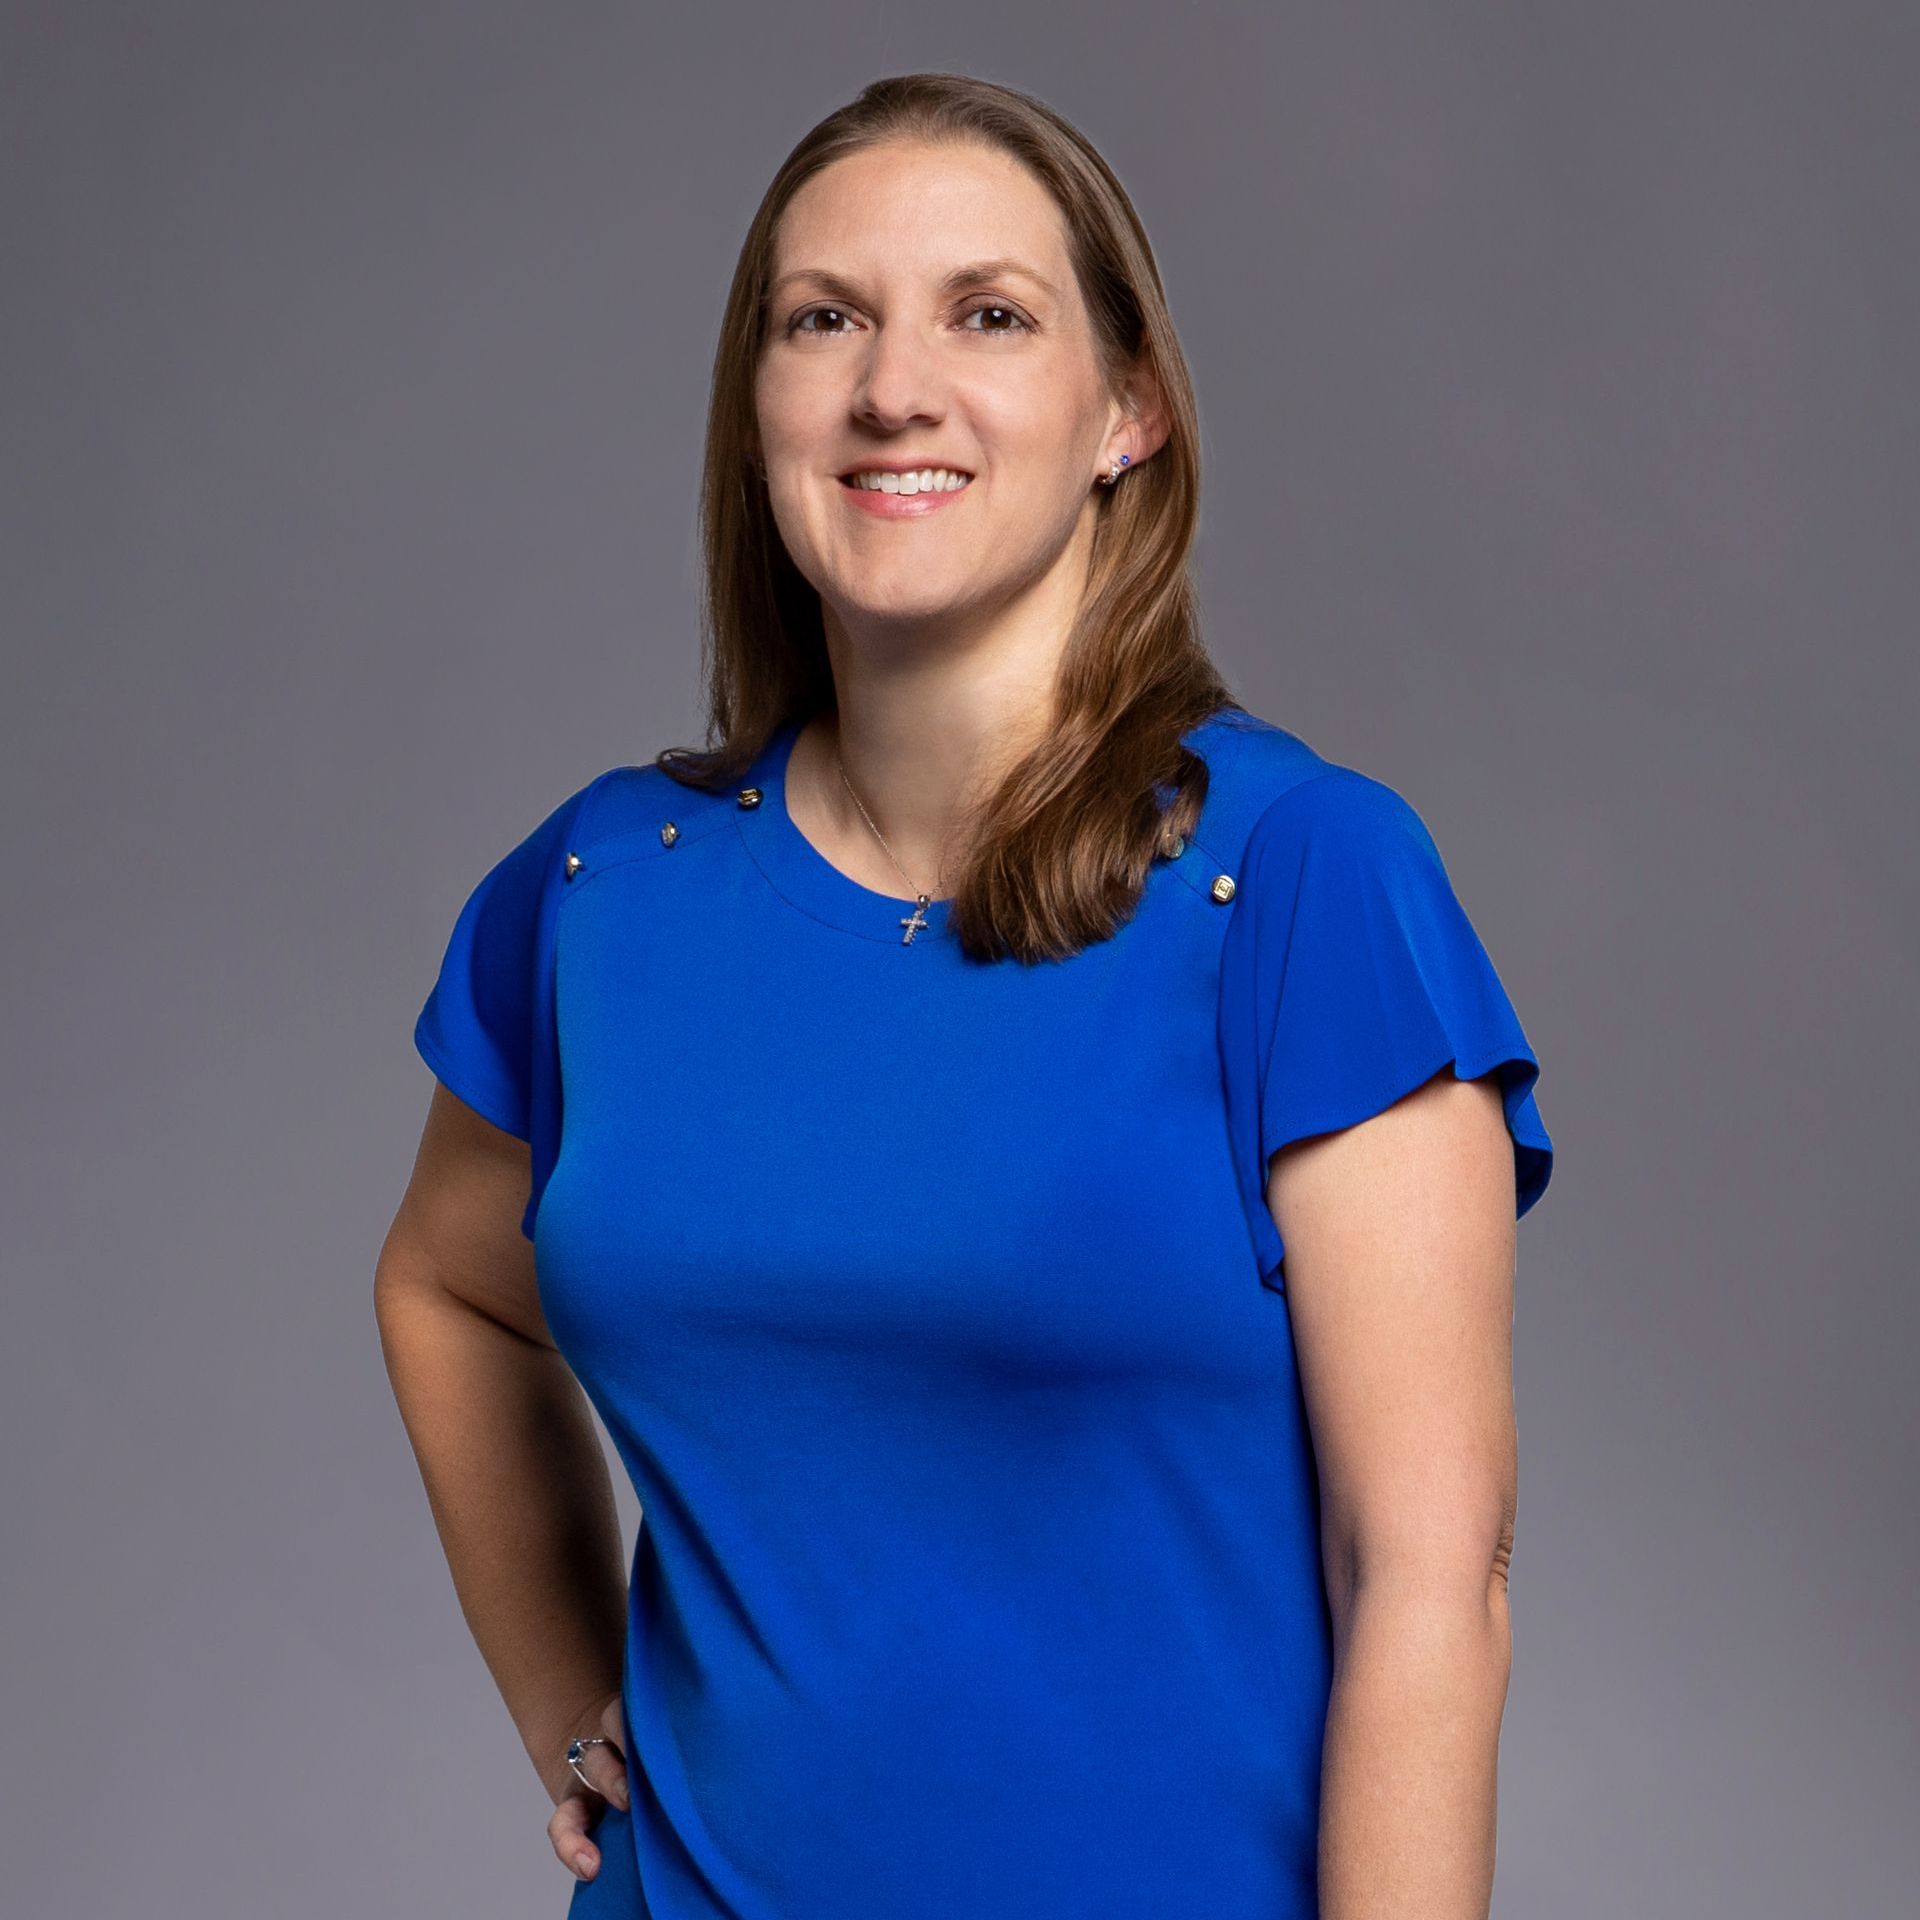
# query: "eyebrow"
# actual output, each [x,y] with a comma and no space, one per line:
[999,269]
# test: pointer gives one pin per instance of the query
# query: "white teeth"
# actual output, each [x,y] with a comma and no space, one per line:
[927,480]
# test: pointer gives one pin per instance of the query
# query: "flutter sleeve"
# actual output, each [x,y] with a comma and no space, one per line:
[487,1029]
[1351,976]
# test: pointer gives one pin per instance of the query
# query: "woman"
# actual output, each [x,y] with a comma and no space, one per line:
[1022,1155]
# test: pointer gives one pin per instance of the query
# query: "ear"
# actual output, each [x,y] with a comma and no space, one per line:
[1140,409]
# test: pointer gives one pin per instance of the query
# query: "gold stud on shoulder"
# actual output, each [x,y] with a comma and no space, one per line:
[574,864]
[669,833]
[1222,886]
[1173,846]
[749,796]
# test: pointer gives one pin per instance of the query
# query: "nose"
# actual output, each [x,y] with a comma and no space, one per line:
[901,380]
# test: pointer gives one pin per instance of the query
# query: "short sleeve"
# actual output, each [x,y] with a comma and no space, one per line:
[1353,975]
[487,1027]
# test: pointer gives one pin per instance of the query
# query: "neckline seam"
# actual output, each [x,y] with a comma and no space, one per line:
[802,875]
[783,761]
[819,916]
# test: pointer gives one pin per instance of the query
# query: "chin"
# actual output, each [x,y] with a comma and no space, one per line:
[876,607]
[905,592]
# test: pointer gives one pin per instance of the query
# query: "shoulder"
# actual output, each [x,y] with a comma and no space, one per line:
[619,813]
[634,812]
[1272,794]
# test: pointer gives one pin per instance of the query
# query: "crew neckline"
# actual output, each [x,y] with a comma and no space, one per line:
[804,875]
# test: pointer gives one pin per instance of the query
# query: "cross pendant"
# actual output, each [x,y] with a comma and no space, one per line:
[914,922]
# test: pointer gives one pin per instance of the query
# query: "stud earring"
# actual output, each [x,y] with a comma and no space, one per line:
[1113,472]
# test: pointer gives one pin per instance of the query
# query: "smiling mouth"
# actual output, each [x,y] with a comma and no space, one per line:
[919,480]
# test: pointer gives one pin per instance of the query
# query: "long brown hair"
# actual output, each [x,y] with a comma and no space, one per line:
[1061,844]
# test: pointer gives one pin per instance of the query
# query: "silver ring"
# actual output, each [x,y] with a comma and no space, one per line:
[575,1748]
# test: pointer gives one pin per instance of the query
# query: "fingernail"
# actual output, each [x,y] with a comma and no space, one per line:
[583,1865]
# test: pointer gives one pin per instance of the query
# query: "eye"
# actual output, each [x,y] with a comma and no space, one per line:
[1007,319]
[1020,322]
[798,323]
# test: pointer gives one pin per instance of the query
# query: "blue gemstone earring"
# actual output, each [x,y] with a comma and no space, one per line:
[1113,472]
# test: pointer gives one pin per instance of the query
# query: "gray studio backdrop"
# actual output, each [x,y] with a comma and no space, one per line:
[1556,367]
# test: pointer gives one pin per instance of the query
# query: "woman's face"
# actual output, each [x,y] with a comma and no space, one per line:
[923,310]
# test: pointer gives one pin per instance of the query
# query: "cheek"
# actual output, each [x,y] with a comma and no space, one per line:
[1035,431]
[766,397]
[793,412]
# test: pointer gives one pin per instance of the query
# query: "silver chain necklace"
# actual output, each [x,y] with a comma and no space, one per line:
[917,919]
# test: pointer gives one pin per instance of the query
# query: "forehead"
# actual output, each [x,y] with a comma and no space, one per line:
[911,211]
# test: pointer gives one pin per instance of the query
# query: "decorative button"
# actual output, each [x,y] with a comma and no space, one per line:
[749,796]
[1173,847]
[574,864]
[669,833]
[1223,886]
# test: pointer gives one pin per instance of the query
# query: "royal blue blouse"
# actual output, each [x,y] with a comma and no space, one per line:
[936,1313]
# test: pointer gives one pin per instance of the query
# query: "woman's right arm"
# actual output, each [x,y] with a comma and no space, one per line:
[506,1447]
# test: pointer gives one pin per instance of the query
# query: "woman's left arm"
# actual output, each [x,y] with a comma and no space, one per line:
[1400,1243]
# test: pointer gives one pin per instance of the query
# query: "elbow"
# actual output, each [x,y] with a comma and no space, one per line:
[1448,1579]
[405,1270]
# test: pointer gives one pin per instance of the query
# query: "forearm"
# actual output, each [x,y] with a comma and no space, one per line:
[520,1494]
[1408,1774]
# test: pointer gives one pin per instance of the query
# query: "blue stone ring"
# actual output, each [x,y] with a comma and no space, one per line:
[575,1748]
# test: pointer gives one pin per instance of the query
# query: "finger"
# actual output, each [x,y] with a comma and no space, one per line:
[606,1767]
[568,1832]
[613,1726]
